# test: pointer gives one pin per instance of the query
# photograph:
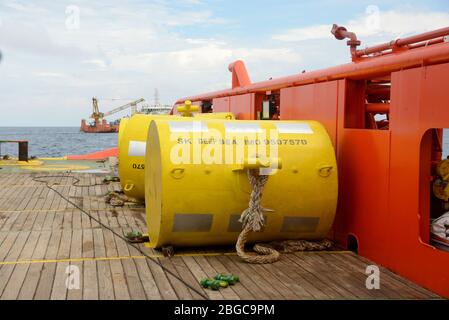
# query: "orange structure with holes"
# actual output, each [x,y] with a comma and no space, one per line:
[384,112]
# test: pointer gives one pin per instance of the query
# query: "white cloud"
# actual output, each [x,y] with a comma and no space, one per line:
[306,33]
[49,75]
[193,18]
[124,51]
[118,51]
[25,7]
[194,2]
[405,23]
[383,24]
[203,41]
[97,63]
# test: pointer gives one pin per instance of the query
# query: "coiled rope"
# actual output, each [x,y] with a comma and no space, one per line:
[252,219]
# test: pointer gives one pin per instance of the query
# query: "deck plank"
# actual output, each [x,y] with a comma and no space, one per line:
[136,290]
[118,276]
[181,290]
[301,271]
[248,274]
[280,273]
[10,218]
[147,279]
[327,283]
[2,237]
[273,285]
[188,277]
[405,290]
[310,284]
[90,281]
[59,289]
[45,284]
[360,278]
[344,281]
[36,223]
[402,281]
[34,271]
[7,244]
[105,286]
[245,290]
[76,252]
[165,287]
[17,273]
[199,274]
[145,274]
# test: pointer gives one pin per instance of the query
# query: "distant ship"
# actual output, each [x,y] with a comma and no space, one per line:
[98,126]
[101,125]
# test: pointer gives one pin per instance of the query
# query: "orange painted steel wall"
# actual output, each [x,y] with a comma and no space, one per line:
[311,102]
[243,106]
[420,101]
[384,181]
[363,160]
[221,104]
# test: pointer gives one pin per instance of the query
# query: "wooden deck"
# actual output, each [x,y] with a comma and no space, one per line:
[41,235]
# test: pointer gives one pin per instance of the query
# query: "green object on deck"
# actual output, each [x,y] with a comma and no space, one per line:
[210,284]
[219,281]
[133,234]
[229,278]
[111,179]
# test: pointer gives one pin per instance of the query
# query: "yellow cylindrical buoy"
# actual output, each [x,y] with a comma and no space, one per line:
[131,154]
[121,129]
[132,139]
[216,115]
[197,184]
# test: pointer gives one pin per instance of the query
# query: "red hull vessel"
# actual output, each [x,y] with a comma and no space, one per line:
[98,127]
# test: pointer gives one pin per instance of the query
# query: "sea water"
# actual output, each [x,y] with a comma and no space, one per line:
[62,141]
[55,141]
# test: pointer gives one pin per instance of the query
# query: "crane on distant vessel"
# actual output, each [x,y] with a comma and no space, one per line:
[100,124]
[97,115]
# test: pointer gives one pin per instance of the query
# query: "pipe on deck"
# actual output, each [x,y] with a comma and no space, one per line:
[423,37]
[376,108]
[374,67]
[240,77]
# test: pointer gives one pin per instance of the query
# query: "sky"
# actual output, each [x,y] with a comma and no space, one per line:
[57,55]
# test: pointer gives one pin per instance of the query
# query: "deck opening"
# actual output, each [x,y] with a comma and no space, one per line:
[434,188]
[353,244]
[367,103]
[206,106]
[268,106]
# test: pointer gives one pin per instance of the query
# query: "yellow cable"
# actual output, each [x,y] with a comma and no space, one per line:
[207,254]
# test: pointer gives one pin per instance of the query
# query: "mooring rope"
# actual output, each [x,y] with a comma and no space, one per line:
[252,219]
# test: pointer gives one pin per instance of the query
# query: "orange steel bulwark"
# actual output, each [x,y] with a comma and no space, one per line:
[385,165]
